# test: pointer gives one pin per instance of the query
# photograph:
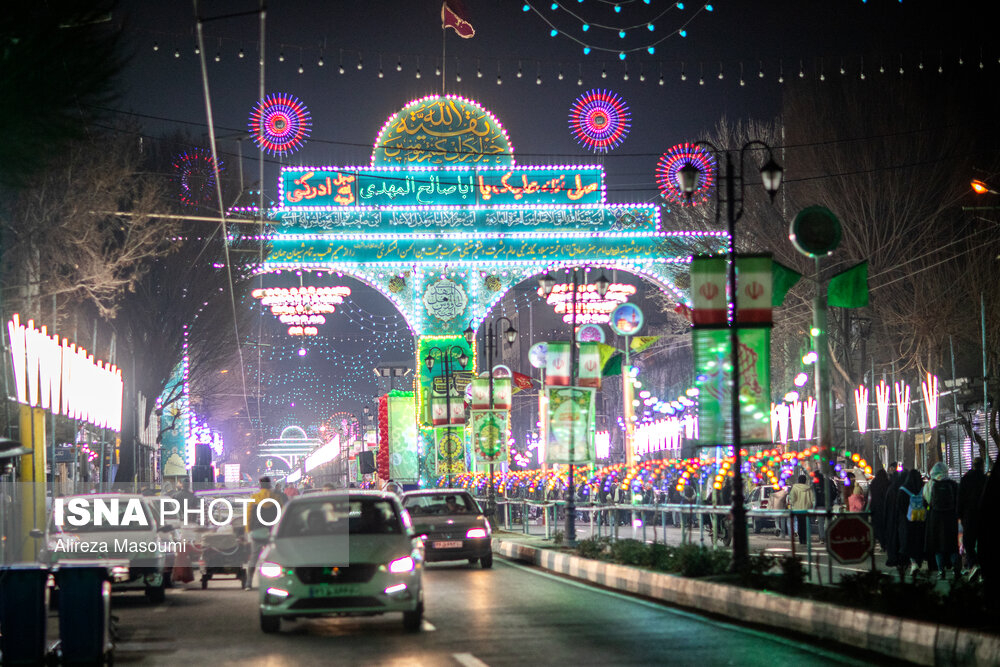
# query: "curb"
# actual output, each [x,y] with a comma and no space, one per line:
[914,641]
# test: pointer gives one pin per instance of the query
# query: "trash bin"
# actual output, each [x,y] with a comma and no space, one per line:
[84,613]
[23,613]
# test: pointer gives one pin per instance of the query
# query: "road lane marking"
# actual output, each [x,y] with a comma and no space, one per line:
[162,608]
[428,626]
[664,606]
[468,660]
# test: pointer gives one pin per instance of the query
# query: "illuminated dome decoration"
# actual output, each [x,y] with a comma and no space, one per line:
[195,176]
[600,120]
[671,162]
[280,124]
[436,130]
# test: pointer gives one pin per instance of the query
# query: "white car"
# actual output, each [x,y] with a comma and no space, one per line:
[342,553]
[127,537]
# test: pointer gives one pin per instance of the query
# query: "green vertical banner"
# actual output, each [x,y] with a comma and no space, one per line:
[174,422]
[433,383]
[714,381]
[403,465]
[570,418]
[450,446]
[489,435]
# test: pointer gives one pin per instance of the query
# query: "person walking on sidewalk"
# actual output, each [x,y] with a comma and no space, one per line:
[876,505]
[941,496]
[801,498]
[970,493]
[912,524]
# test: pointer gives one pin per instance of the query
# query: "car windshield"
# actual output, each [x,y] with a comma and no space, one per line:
[440,503]
[365,516]
[97,514]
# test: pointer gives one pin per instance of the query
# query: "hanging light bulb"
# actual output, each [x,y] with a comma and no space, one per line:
[320,62]
[218,56]
[156,46]
[177,53]
[281,57]
[241,54]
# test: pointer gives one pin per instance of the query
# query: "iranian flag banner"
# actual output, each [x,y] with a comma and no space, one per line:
[753,289]
[588,373]
[557,365]
[708,291]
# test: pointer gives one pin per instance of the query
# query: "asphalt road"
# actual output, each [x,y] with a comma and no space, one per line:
[510,615]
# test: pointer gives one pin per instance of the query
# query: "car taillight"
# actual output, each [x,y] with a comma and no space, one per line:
[474,533]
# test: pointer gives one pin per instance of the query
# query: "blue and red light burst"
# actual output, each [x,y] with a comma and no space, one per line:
[677,158]
[600,120]
[280,124]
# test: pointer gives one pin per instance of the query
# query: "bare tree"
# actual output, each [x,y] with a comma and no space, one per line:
[83,231]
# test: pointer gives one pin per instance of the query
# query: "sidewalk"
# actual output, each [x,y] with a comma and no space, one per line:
[916,641]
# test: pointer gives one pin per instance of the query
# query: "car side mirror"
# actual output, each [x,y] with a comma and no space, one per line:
[36,533]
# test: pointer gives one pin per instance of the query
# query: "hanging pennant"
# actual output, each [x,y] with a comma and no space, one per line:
[450,447]
[480,394]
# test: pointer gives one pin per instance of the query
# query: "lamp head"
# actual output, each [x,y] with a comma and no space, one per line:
[771,174]
[602,285]
[979,187]
[463,360]
[688,178]
[429,361]
[510,334]
[470,334]
[546,283]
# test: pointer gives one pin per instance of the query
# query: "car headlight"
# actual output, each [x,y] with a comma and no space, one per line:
[270,570]
[474,533]
[400,565]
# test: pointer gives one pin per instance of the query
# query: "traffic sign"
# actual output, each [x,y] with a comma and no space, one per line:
[849,539]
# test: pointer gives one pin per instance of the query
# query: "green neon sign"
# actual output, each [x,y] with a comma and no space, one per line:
[312,188]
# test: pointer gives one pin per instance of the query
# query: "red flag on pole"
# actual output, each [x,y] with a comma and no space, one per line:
[451,19]
[521,381]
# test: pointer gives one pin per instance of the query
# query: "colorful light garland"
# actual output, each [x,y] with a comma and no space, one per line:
[668,177]
[280,124]
[600,120]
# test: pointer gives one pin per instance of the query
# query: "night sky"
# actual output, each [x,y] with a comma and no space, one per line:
[761,39]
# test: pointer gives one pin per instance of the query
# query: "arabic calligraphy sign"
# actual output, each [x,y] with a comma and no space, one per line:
[347,250]
[849,539]
[593,217]
[331,187]
[442,130]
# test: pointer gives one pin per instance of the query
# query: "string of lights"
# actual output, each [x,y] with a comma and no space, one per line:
[863,67]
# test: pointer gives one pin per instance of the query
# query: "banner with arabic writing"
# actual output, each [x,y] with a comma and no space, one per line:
[472,186]
[489,435]
[713,378]
[450,448]
[570,418]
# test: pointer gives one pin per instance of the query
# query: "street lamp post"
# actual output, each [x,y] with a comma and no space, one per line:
[454,353]
[689,177]
[546,283]
[492,345]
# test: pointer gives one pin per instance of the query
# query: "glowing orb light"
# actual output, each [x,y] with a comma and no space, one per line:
[280,124]
[600,120]
[195,175]
[678,157]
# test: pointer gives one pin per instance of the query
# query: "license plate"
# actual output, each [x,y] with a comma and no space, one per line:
[455,544]
[333,590]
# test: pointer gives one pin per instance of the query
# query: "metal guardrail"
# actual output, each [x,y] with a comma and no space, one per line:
[690,518]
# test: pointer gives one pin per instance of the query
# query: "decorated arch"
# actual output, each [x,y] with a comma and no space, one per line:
[444,222]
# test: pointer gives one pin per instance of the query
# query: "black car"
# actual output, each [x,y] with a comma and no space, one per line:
[452,524]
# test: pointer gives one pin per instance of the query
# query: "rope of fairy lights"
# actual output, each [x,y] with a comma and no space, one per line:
[621,31]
